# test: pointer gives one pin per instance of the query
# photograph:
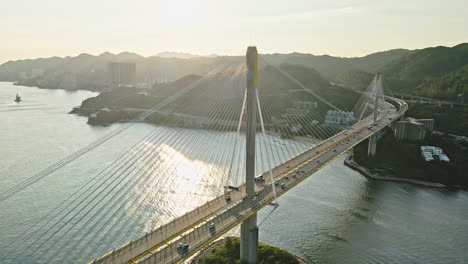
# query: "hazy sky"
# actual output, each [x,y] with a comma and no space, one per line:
[44,28]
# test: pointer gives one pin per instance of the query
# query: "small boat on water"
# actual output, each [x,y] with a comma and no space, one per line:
[18,98]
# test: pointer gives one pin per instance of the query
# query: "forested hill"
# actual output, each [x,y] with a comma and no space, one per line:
[438,72]
[449,86]
[427,64]
[330,66]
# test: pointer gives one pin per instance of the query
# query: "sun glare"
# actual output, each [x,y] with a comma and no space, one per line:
[180,13]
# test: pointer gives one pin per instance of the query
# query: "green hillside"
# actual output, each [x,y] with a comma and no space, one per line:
[330,66]
[434,72]
[355,79]
[438,72]
[427,64]
[448,86]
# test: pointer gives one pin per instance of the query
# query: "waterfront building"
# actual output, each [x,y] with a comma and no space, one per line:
[413,129]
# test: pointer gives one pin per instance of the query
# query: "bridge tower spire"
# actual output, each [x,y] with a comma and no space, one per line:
[378,92]
[249,228]
[377,89]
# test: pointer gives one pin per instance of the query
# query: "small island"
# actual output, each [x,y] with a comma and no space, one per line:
[227,250]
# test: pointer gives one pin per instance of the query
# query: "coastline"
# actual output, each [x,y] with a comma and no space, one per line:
[375,176]
[96,90]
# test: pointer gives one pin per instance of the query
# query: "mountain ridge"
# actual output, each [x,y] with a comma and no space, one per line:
[438,72]
[11,70]
[408,71]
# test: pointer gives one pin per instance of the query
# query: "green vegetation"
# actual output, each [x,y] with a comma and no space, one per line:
[448,86]
[438,72]
[338,96]
[277,94]
[229,253]
[118,98]
[355,79]
[451,120]
[427,64]
[403,159]
[329,66]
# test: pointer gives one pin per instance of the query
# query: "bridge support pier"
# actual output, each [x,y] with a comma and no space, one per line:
[249,229]
[249,240]
[372,145]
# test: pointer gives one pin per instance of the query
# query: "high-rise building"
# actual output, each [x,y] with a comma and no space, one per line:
[122,74]
[413,129]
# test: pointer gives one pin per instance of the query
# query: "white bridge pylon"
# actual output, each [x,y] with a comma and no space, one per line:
[372,100]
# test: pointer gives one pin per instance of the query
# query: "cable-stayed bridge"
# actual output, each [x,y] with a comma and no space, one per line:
[292,144]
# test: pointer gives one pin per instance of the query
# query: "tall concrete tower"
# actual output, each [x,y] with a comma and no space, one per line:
[377,91]
[372,144]
[249,229]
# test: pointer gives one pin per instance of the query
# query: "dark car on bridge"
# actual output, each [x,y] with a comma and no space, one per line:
[212,229]
[182,249]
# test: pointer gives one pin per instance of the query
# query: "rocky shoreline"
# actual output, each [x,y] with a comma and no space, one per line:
[349,161]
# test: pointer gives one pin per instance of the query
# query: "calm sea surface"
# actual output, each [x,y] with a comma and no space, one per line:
[335,216]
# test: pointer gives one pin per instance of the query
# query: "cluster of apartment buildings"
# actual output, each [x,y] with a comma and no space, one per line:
[337,118]
[431,153]
[117,74]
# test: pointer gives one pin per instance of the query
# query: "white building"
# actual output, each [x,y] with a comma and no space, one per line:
[413,129]
[339,117]
[444,157]
[430,153]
